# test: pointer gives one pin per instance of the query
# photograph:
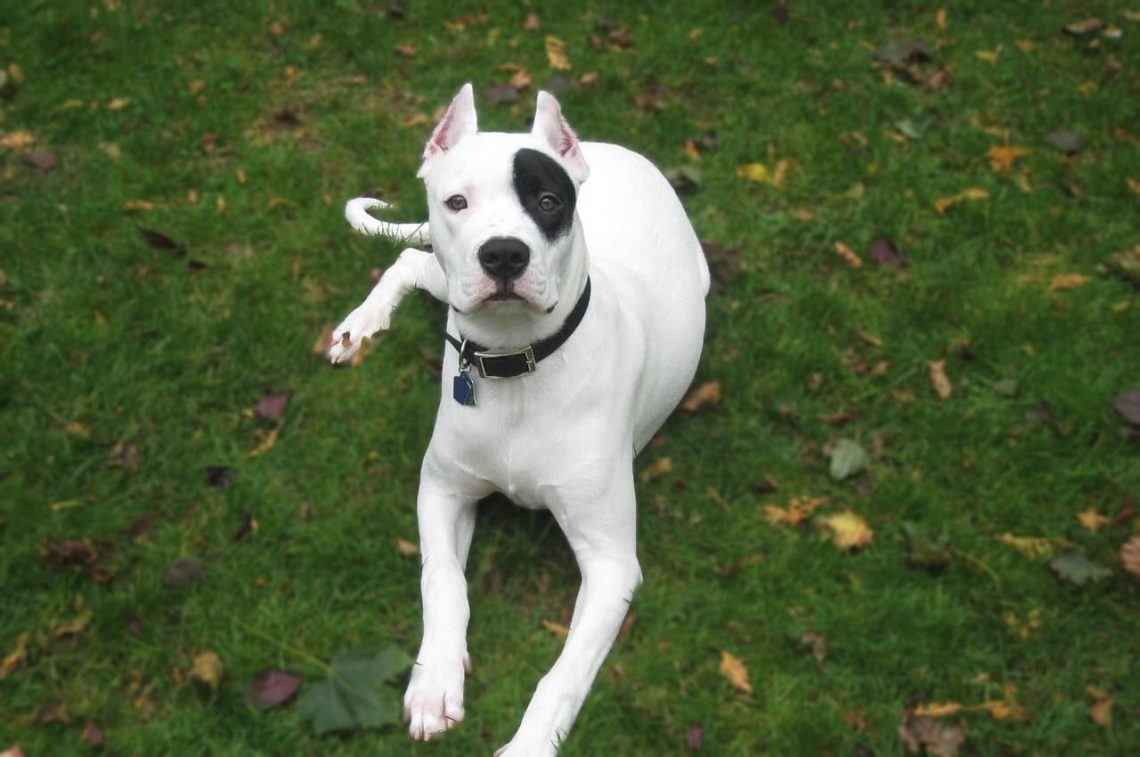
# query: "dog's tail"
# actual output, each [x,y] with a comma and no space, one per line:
[356,213]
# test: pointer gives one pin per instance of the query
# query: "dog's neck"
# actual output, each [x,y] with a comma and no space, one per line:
[517,328]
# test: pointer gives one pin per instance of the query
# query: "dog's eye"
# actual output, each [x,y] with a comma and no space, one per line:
[548,202]
[457,202]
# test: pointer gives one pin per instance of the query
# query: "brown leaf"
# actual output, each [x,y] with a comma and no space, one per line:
[41,160]
[849,257]
[268,442]
[798,510]
[124,455]
[92,736]
[884,252]
[1130,555]
[1081,28]
[725,265]
[406,548]
[556,628]
[943,740]
[942,204]
[556,54]
[407,50]
[1067,281]
[938,379]
[1091,519]
[15,658]
[1128,405]
[817,643]
[272,406]
[1002,157]
[733,669]
[531,23]
[186,571]
[705,395]
[658,467]
[1101,709]
[272,687]
[160,241]
[501,93]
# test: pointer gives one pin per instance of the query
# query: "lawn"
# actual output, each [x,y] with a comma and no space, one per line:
[924,231]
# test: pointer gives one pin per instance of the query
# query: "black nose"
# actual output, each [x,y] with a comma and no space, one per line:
[504,258]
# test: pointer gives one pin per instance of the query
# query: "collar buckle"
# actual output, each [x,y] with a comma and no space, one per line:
[505,364]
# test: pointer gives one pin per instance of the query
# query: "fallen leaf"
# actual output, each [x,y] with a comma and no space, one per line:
[219,476]
[247,526]
[940,18]
[16,657]
[273,687]
[942,204]
[208,669]
[817,643]
[1000,710]
[1129,556]
[684,179]
[268,442]
[1003,157]
[185,571]
[799,509]
[556,54]
[725,264]
[658,467]
[531,23]
[1068,142]
[72,627]
[694,737]
[1081,28]
[885,253]
[937,709]
[92,736]
[1091,519]
[406,548]
[1075,567]
[17,141]
[41,160]
[556,628]
[755,172]
[124,455]
[497,94]
[407,50]
[848,530]
[1035,548]
[160,241]
[849,257]
[1101,709]
[1128,405]
[1067,281]
[355,694]
[939,739]
[272,406]
[733,669]
[938,379]
[118,103]
[847,459]
[705,395]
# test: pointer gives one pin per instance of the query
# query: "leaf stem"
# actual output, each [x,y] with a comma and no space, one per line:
[287,647]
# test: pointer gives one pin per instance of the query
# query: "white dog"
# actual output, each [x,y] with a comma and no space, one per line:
[577,314]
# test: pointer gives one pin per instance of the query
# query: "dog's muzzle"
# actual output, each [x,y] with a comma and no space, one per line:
[504,258]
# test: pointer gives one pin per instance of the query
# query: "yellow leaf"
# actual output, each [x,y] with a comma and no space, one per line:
[938,709]
[798,510]
[131,205]
[118,103]
[938,379]
[73,627]
[17,140]
[208,669]
[1026,45]
[942,204]
[756,172]
[1002,157]
[1036,548]
[658,467]
[520,79]
[75,428]
[1101,709]
[1007,711]
[556,54]
[267,443]
[989,56]
[733,669]
[849,256]
[940,18]
[1133,186]
[556,628]
[1091,519]
[16,658]
[848,530]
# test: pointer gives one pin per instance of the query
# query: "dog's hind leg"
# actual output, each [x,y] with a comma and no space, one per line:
[414,269]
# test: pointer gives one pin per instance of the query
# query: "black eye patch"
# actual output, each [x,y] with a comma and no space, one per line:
[535,175]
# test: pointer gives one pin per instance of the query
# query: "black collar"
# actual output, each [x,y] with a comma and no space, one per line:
[519,362]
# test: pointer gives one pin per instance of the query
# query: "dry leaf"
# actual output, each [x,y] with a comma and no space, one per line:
[705,395]
[940,18]
[118,103]
[208,669]
[267,443]
[1101,709]
[556,628]
[407,50]
[798,510]
[938,379]
[849,257]
[918,731]
[756,172]
[1000,710]
[124,455]
[848,530]
[1130,555]
[937,709]
[407,548]
[1002,157]
[943,204]
[658,467]
[16,657]
[531,23]
[1067,281]
[1091,519]
[556,54]
[1035,548]
[733,669]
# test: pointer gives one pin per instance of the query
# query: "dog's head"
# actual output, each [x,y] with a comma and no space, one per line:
[502,208]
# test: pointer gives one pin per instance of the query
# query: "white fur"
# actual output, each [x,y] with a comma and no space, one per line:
[564,437]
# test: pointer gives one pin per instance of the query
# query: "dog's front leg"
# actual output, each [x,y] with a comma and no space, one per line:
[602,533]
[434,699]
[414,269]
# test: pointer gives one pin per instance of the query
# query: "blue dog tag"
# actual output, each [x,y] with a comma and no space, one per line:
[463,389]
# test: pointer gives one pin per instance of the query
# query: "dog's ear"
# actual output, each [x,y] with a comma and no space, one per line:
[550,126]
[458,122]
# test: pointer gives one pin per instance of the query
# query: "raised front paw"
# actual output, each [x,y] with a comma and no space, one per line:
[360,324]
[434,700]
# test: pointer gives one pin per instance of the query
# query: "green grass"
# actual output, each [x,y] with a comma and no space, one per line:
[104,339]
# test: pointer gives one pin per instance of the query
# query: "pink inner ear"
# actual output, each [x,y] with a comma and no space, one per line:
[438,141]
